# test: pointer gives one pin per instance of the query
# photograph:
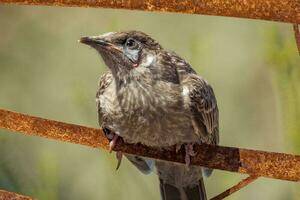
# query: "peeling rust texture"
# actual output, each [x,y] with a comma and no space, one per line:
[274,10]
[52,129]
[252,162]
[4,195]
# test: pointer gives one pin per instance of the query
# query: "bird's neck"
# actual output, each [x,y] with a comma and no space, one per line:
[132,78]
[134,88]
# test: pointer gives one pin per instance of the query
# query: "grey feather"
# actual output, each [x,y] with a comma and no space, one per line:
[144,165]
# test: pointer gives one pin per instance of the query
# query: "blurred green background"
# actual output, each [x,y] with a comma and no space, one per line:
[253,67]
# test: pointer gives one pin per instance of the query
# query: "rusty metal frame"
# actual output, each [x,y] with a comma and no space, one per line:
[253,162]
[235,188]
[274,10]
[297,36]
[5,195]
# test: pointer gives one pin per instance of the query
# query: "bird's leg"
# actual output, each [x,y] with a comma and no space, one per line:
[108,133]
[189,151]
[113,137]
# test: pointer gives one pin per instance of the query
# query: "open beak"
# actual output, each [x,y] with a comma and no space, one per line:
[99,42]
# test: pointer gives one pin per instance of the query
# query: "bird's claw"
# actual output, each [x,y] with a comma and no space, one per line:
[189,151]
[113,138]
[113,143]
[119,156]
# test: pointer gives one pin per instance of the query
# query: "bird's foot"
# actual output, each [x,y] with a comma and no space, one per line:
[113,138]
[189,152]
[113,143]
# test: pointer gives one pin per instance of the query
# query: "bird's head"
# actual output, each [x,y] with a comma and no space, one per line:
[124,51]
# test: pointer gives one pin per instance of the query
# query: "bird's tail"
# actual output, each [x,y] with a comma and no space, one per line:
[192,192]
[177,182]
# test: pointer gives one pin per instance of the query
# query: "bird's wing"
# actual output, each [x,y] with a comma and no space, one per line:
[203,106]
[104,81]
[199,97]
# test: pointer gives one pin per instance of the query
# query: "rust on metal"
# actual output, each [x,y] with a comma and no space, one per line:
[52,129]
[297,36]
[4,195]
[274,10]
[252,162]
[235,188]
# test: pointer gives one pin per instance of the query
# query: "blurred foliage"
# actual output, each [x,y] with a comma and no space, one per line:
[44,71]
[284,60]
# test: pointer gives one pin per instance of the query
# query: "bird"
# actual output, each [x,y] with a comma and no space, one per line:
[152,96]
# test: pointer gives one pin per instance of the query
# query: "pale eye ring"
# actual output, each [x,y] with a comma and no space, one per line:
[131,43]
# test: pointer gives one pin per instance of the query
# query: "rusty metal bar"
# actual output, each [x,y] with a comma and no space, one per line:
[252,162]
[274,10]
[4,195]
[235,188]
[297,36]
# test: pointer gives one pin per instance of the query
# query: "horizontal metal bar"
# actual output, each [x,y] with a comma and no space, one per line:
[252,162]
[5,195]
[274,10]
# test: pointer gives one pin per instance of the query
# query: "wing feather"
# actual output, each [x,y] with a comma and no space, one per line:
[204,109]
[200,99]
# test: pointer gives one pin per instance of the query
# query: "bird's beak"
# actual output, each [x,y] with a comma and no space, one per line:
[95,42]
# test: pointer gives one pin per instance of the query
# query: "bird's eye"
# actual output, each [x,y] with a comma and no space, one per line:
[131,43]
